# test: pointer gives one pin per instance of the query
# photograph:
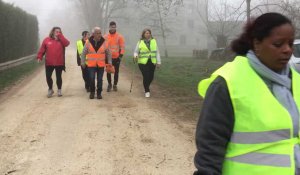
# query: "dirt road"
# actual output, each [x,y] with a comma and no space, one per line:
[122,134]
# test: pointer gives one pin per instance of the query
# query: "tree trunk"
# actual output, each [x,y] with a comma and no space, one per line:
[162,29]
[248,10]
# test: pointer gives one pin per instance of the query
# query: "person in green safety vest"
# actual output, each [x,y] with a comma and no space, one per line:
[80,45]
[146,54]
[249,122]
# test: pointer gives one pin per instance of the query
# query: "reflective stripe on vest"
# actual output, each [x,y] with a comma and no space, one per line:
[93,58]
[80,46]
[260,137]
[262,141]
[145,53]
[278,160]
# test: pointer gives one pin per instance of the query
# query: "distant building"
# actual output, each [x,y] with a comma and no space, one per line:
[185,31]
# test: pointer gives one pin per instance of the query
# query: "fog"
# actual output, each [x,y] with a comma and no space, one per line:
[180,26]
[52,13]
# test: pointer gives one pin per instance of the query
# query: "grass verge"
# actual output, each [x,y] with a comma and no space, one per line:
[12,75]
[179,77]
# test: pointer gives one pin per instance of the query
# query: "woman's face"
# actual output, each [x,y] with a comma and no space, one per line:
[147,35]
[56,32]
[275,50]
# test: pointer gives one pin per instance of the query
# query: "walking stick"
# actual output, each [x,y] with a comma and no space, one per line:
[132,75]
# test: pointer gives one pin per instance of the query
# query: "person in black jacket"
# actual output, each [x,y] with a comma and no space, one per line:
[84,70]
[268,39]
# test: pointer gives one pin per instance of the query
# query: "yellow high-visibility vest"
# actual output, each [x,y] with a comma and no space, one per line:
[145,53]
[80,46]
[262,141]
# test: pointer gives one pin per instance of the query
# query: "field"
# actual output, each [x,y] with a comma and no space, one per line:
[179,77]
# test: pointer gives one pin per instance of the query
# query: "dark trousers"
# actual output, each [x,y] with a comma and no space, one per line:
[116,63]
[58,72]
[148,74]
[85,76]
[92,73]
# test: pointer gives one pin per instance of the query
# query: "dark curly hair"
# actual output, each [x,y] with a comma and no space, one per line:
[259,29]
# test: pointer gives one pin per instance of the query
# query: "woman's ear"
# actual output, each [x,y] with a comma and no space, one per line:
[256,46]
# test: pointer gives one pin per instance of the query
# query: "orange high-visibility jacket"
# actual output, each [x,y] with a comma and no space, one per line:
[116,44]
[93,58]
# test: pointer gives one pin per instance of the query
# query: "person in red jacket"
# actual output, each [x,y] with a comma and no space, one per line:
[53,47]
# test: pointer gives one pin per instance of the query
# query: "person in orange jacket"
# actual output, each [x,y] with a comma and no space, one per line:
[93,56]
[116,44]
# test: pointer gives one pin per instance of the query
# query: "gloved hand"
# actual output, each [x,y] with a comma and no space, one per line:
[83,65]
[120,57]
[110,68]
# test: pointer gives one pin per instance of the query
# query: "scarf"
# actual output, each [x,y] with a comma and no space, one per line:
[280,85]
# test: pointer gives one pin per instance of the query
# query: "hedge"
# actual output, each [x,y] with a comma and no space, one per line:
[18,33]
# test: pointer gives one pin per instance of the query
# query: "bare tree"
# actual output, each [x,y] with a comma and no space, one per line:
[98,12]
[292,10]
[159,14]
[220,18]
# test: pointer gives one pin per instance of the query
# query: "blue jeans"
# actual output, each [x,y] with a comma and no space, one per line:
[99,71]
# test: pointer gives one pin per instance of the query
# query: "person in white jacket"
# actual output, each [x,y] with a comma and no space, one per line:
[147,56]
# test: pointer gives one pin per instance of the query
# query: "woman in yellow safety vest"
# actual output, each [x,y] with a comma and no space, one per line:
[80,45]
[147,56]
[249,122]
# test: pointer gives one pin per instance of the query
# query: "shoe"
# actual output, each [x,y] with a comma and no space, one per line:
[99,96]
[115,88]
[109,88]
[92,95]
[50,93]
[59,93]
[147,94]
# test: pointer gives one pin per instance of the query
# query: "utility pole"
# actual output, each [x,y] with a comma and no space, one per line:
[248,10]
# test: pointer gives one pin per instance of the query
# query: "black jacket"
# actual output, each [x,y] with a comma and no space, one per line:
[214,129]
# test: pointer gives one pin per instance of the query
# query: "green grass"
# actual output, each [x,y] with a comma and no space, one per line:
[12,75]
[180,77]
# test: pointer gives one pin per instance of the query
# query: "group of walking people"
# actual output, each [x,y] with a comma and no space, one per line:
[95,54]
[249,121]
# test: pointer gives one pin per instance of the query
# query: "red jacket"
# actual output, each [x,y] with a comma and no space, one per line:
[54,50]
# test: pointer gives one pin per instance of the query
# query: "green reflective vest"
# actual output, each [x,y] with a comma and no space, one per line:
[80,47]
[145,53]
[262,141]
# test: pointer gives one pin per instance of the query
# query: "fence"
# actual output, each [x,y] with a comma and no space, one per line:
[13,63]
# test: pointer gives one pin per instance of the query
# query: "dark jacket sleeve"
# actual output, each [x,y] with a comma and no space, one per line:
[78,59]
[214,129]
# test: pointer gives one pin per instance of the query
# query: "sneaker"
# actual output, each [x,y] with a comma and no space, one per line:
[92,95]
[50,93]
[109,87]
[115,88]
[147,94]
[59,93]
[99,96]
